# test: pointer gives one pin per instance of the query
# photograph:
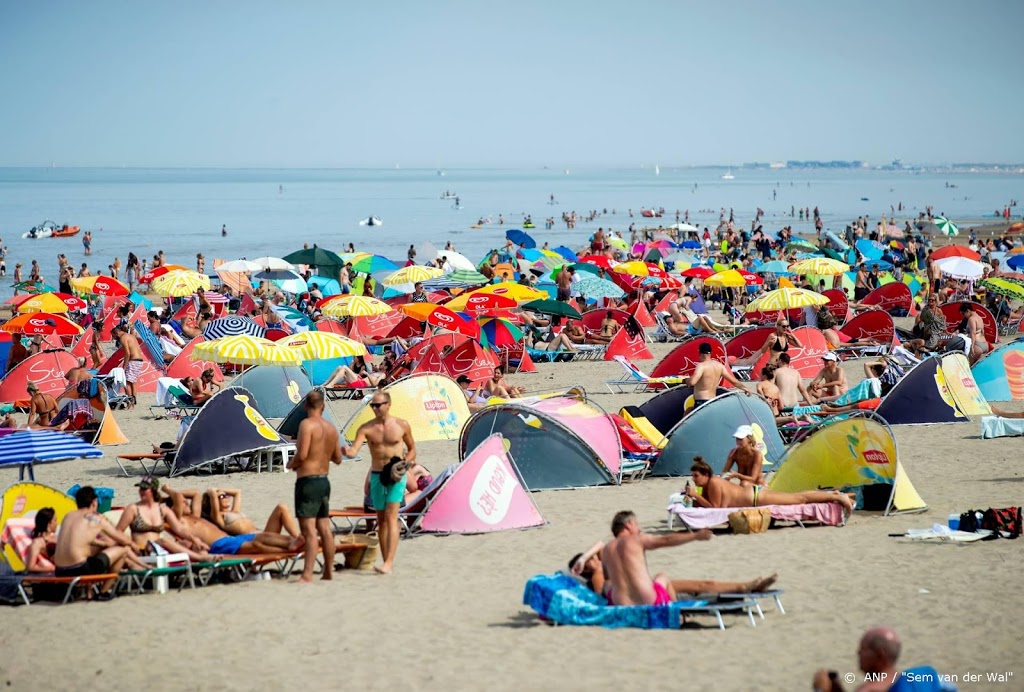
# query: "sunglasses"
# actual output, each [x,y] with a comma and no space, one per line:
[222,496]
[377,404]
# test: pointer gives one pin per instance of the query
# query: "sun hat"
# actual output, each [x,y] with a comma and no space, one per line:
[743,432]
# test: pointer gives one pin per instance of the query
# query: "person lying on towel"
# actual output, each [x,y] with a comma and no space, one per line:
[622,565]
[718,492]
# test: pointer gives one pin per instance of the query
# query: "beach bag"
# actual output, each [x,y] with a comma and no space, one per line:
[393,471]
[362,561]
[755,520]
[1004,523]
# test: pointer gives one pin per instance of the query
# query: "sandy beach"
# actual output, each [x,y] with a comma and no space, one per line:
[451,615]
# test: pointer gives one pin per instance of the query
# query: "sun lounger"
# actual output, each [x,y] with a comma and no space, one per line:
[89,583]
[141,459]
[347,391]
[164,567]
[995,426]
[562,600]
[408,516]
[285,562]
[639,381]
[775,595]
[540,356]
[693,518]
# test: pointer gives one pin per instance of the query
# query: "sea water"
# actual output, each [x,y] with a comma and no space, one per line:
[274,212]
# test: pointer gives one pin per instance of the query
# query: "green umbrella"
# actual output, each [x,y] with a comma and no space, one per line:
[946,227]
[1003,287]
[34,287]
[546,306]
[315,257]
[801,244]
[373,263]
[465,276]
[578,266]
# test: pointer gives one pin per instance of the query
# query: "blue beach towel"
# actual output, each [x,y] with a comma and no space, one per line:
[563,600]
[864,390]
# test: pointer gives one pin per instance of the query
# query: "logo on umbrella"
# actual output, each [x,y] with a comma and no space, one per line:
[876,456]
[440,317]
[102,285]
[435,405]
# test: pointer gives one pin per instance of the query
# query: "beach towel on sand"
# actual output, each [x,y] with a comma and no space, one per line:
[563,600]
[994,426]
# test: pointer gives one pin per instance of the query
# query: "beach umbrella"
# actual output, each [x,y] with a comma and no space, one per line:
[239,266]
[180,283]
[516,292]
[33,287]
[270,264]
[617,242]
[457,260]
[690,245]
[598,261]
[373,263]
[961,268]
[894,231]
[353,306]
[871,249]
[323,346]
[819,266]
[1010,289]
[685,227]
[469,277]
[520,238]
[682,258]
[233,325]
[441,316]
[24,448]
[41,323]
[532,255]
[946,227]
[327,285]
[412,274]
[699,272]
[955,251]
[293,284]
[566,253]
[315,257]
[780,267]
[786,298]
[546,306]
[157,272]
[733,278]
[496,333]
[50,302]
[640,269]
[663,283]
[478,303]
[596,287]
[1015,262]
[101,286]
[245,350]
[800,244]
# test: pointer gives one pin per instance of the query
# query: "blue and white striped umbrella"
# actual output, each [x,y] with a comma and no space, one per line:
[27,447]
[234,325]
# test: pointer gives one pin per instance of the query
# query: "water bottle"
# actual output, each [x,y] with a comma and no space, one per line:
[687,500]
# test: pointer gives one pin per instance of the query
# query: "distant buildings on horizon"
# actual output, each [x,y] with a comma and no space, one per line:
[895,165]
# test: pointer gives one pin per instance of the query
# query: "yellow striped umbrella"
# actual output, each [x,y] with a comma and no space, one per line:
[786,298]
[819,266]
[354,306]
[323,346]
[245,350]
[412,274]
[180,283]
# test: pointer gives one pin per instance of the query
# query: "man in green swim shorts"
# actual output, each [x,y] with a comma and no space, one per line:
[318,445]
[387,437]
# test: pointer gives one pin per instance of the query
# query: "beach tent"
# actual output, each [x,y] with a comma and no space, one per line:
[472,360]
[484,494]
[276,388]
[152,370]
[430,360]
[375,326]
[81,345]
[105,430]
[6,342]
[289,427]
[1000,373]
[895,298]
[806,359]
[630,341]
[665,410]
[707,432]
[951,311]
[956,371]
[46,369]
[745,344]
[560,442]
[227,425]
[683,359]
[183,365]
[592,319]
[921,397]
[873,324]
[23,500]
[433,404]
[855,451]
[838,303]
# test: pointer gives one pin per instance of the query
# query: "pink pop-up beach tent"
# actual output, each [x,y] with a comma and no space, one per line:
[484,494]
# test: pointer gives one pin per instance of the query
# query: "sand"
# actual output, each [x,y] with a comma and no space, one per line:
[450,617]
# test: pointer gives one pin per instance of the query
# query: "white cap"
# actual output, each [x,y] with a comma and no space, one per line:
[830,356]
[743,431]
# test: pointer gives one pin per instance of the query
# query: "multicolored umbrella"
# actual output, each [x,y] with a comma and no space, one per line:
[41,323]
[234,325]
[517,292]
[566,253]
[50,302]
[245,350]
[101,286]
[786,298]
[412,274]
[373,263]
[442,317]
[496,333]
[1004,287]
[323,346]
[479,303]
[180,283]
[155,273]
[33,287]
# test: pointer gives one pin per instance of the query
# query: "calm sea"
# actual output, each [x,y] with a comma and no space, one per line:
[273,212]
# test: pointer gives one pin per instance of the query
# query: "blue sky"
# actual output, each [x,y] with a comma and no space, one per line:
[448,84]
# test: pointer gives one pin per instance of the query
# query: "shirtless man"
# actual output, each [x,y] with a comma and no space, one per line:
[747,457]
[718,492]
[830,382]
[564,282]
[790,384]
[78,373]
[132,360]
[201,388]
[89,544]
[708,376]
[386,436]
[318,445]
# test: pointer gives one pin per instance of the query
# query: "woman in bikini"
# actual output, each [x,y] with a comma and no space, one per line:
[778,342]
[747,457]
[223,507]
[42,407]
[146,519]
[358,375]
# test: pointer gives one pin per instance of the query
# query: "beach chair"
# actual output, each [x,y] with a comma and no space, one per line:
[663,334]
[347,391]
[408,516]
[165,567]
[285,563]
[637,380]
[695,518]
[539,356]
[117,395]
[141,459]
[637,452]
[1008,328]
[173,400]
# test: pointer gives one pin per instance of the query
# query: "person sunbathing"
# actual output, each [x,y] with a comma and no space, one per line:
[202,388]
[628,581]
[1003,413]
[187,506]
[747,458]
[718,492]
[588,566]
[790,384]
[42,408]
[770,392]
[778,342]
[223,507]
[499,387]
[145,521]
[39,558]
[830,382]
[358,375]
[417,479]
[76,414]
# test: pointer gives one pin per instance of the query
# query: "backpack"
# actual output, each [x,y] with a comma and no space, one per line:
[1004,523]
